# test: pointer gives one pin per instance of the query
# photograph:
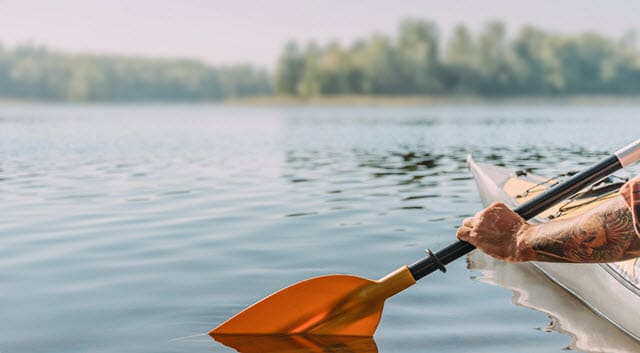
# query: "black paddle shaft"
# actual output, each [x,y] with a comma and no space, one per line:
[526,210]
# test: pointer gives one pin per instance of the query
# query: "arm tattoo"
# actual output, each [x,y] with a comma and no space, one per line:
[604,234]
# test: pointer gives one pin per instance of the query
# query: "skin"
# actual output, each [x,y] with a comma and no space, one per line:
[604,234]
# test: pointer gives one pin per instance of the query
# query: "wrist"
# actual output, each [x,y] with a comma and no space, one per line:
[524,248]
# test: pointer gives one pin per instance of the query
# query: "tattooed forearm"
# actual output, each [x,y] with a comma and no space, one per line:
[605,234]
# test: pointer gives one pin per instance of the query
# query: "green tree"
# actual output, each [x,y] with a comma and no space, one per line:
[418,50]
[310,85]
[460,71]
[494,60]
[289,70]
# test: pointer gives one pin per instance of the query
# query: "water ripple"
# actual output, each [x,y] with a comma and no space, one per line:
[120,225]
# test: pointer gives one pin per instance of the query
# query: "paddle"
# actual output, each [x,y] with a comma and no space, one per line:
[298,343]
[352,306]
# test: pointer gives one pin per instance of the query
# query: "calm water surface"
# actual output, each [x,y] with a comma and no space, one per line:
[139,228]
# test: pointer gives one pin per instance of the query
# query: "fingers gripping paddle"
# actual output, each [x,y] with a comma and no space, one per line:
[352,306]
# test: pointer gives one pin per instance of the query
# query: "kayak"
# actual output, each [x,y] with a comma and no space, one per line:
[612,290]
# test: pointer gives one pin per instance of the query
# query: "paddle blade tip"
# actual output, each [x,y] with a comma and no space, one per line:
[326,305]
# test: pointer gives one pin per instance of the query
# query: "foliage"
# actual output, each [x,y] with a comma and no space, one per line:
[490,63]
[415,61]
[35,73]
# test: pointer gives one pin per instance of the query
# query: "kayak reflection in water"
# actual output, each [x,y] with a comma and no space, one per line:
[609,232]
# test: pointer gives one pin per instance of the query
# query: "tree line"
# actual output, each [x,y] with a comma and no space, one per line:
[30,72]
[416,60]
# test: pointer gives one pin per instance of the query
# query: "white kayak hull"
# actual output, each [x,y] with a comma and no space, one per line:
[610,290]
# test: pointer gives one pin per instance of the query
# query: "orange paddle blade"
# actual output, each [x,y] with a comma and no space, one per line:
[297,344]
[328,305]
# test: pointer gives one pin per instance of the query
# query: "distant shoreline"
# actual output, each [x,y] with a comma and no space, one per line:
[430,100]
[355,100]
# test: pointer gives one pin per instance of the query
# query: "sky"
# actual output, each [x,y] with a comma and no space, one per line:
[254,31]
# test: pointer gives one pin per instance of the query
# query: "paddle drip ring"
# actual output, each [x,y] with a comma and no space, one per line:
[436,260]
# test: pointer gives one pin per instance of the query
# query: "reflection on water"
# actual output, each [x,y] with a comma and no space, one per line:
[298,344]
[532,289]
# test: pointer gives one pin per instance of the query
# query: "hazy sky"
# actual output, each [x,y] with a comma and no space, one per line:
[232,31]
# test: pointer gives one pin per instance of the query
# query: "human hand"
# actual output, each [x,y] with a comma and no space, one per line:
[497,231]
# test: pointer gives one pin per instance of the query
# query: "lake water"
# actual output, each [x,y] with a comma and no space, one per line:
[140,228]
